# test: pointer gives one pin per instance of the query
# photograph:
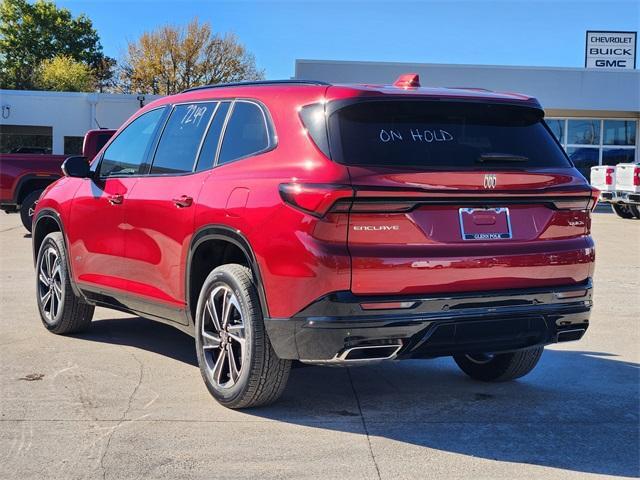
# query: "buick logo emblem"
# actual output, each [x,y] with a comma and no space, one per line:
[490,180]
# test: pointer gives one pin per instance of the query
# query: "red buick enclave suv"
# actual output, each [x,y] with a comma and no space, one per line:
[331,224]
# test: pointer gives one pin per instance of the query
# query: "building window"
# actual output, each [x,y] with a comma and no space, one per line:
[584,132]
[613,156]
[25,139]
[584,159]
[619,132]
[557,127]
[592,141]
[73,145]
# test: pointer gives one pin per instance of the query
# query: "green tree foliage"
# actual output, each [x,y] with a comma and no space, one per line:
[172,58]
[65,74]
[33,32]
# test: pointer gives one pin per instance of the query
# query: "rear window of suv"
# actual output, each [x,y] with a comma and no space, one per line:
[441,134]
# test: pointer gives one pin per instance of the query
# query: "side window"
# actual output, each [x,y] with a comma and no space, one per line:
[212,139]
[180,140]
[126,154]
[246,133]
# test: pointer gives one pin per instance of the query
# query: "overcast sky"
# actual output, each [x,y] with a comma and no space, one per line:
[534,32]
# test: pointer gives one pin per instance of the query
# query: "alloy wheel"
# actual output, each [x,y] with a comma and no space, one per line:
[223,337]
[50,283]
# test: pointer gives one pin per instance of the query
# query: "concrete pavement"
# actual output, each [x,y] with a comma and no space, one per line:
[126,400]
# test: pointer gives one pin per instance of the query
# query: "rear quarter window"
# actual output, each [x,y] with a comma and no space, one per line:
[443,135]
[246,133]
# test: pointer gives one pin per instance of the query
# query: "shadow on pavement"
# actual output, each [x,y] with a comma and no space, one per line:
[577,411]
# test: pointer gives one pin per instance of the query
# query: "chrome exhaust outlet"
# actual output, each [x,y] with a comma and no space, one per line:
[369,353]
[570,335]
[361,355]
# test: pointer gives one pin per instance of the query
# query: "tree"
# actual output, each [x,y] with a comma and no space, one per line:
[33,32]
[104,73]
[65,74]
[173,58]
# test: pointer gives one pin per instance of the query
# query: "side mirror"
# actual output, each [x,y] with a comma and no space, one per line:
[77,167]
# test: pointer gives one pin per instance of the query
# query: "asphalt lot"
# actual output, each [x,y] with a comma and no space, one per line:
[126,399]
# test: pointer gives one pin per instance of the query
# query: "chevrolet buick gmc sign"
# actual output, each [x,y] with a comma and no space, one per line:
[611,50]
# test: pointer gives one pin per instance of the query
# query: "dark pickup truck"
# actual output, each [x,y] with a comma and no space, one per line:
[23,176]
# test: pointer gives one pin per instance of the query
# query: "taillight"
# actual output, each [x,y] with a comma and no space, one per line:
[315,199]
[608,176]
[577,203]
[595,196]
[382,206]
[636,176]
[584,203]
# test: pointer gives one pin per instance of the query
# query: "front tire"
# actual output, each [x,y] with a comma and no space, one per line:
[236,359]
[61,311]
[623,210]
[500,367]
[27,208]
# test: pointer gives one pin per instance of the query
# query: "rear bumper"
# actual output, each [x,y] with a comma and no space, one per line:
[620,197]
[335,329]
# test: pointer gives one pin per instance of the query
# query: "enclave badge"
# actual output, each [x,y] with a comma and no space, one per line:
[490,180]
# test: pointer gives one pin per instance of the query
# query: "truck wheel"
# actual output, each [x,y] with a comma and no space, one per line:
[622,210]
[635,210]
[236,359]
[60,309]
[27,207]
[499,367]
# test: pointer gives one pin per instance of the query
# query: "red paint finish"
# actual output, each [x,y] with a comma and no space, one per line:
[305,222]
[157,234]
[18,168]
[95,228]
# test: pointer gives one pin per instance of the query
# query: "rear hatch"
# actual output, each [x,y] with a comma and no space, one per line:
[628,177]
[603,177]
[455,196]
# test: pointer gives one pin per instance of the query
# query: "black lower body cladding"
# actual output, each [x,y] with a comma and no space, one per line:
[335,327]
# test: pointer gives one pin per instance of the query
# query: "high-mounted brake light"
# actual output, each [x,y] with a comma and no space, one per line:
[315,199]
[407,80]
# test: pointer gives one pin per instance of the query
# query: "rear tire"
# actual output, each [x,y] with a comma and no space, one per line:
[623,210]
[635,210]
[27,207]
[61,311]
[500,367]
[236,359]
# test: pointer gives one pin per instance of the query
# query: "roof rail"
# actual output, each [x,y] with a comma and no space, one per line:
[257,82]
[478,89]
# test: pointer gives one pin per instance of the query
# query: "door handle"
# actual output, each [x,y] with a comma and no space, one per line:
[115,199]
[183,201]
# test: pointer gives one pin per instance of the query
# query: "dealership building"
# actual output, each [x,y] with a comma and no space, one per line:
[594,112]
[55,122]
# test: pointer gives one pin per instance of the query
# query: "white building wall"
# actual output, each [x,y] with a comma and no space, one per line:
[69,113]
